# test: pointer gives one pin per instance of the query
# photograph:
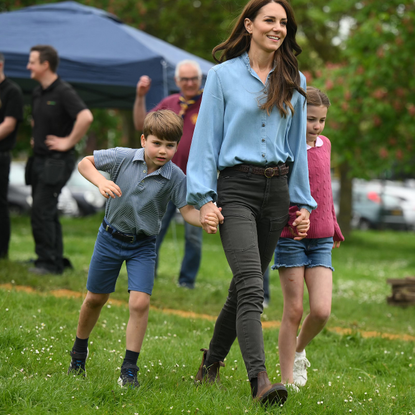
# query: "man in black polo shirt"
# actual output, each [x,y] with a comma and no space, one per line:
[11,113]
[60,120]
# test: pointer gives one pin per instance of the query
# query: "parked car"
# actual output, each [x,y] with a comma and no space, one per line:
[376,210]
[87,196]
[20,195]
[373,206]
[405,196]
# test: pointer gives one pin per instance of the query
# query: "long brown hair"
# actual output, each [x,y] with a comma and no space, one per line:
[286,78]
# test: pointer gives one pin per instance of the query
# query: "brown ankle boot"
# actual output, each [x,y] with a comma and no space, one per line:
[269,393]
[208,374]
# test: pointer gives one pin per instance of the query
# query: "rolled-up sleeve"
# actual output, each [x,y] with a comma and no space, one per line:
[207,140]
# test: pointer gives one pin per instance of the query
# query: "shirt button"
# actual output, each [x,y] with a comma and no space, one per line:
[263,125]
[263,155]
[263,140]
[144,171]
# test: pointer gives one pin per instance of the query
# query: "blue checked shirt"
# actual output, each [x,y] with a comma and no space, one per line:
[231,129]
[144,198]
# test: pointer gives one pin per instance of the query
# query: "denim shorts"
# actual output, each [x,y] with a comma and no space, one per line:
[108,257]
[307,253]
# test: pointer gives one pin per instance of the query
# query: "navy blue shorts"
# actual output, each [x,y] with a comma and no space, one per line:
[307,253]
[108,257]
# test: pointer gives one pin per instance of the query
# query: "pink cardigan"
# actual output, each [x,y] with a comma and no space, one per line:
[323,222]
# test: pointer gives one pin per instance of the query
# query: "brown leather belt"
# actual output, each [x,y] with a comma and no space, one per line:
[268,172]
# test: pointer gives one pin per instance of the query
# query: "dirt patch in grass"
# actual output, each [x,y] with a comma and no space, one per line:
[190,314]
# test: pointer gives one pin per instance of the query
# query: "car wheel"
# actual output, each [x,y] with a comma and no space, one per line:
[364,224]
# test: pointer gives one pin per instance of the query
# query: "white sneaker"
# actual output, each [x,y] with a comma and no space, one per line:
[292,388]
[301,364]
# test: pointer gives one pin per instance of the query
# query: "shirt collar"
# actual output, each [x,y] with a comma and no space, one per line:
[52,85]
[319,143]
[245,59]
[165,171]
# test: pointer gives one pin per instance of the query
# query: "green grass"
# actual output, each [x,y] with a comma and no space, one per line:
[349,373]
[362,265]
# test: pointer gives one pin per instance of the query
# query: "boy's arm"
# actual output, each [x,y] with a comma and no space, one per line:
[192,216]
[106,187]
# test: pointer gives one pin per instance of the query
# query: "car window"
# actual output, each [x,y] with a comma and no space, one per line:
[16,176]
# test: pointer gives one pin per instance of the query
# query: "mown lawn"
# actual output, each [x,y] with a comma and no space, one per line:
[350,373]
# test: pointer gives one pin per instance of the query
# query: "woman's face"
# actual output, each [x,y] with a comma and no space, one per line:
[269,28]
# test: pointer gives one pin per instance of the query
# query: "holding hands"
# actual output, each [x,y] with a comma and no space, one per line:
[210,217]
[301,224]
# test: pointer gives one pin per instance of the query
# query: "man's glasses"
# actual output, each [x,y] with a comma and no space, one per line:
[185,80]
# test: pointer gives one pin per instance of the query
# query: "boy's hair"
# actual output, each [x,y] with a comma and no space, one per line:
[47,53]
[163,124]
[317,98]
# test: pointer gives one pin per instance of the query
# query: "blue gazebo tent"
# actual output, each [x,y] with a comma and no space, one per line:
[99,55]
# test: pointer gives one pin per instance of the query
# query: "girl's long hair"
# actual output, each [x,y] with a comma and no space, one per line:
[285,78]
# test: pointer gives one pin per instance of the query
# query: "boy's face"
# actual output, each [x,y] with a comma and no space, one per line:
[157,152]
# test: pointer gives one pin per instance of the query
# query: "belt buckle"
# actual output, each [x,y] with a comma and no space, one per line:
[272,172]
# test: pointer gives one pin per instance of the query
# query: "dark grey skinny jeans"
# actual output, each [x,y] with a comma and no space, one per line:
[255,210]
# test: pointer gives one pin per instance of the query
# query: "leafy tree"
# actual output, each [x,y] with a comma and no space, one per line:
[360,52]
[373,94]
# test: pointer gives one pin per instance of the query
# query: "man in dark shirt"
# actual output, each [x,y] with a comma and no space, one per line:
[11,113]
[60,120]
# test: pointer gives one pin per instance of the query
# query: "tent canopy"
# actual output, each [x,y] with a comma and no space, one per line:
[99,55]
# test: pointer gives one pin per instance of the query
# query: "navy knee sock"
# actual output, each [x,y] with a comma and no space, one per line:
[130,357]
[80,345]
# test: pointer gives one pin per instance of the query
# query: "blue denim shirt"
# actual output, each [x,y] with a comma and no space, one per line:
[231,129]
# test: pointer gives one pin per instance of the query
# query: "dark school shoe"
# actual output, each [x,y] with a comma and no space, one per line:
[128,376]
[77,365]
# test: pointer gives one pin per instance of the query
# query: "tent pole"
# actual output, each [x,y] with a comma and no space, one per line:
[165,87]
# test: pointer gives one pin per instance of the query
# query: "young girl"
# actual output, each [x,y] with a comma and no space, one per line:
[308,259]
[251,123]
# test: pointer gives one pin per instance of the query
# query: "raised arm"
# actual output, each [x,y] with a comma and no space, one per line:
[139,109]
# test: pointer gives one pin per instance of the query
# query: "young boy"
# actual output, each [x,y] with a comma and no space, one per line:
[142,182]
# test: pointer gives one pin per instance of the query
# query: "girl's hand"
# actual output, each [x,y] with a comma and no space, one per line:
[301,224]
[109,189]
[336,244]
[300,232]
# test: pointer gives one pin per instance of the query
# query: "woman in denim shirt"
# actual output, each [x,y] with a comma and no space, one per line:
[251,124]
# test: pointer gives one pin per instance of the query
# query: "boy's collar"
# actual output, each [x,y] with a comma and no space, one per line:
[164,171]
